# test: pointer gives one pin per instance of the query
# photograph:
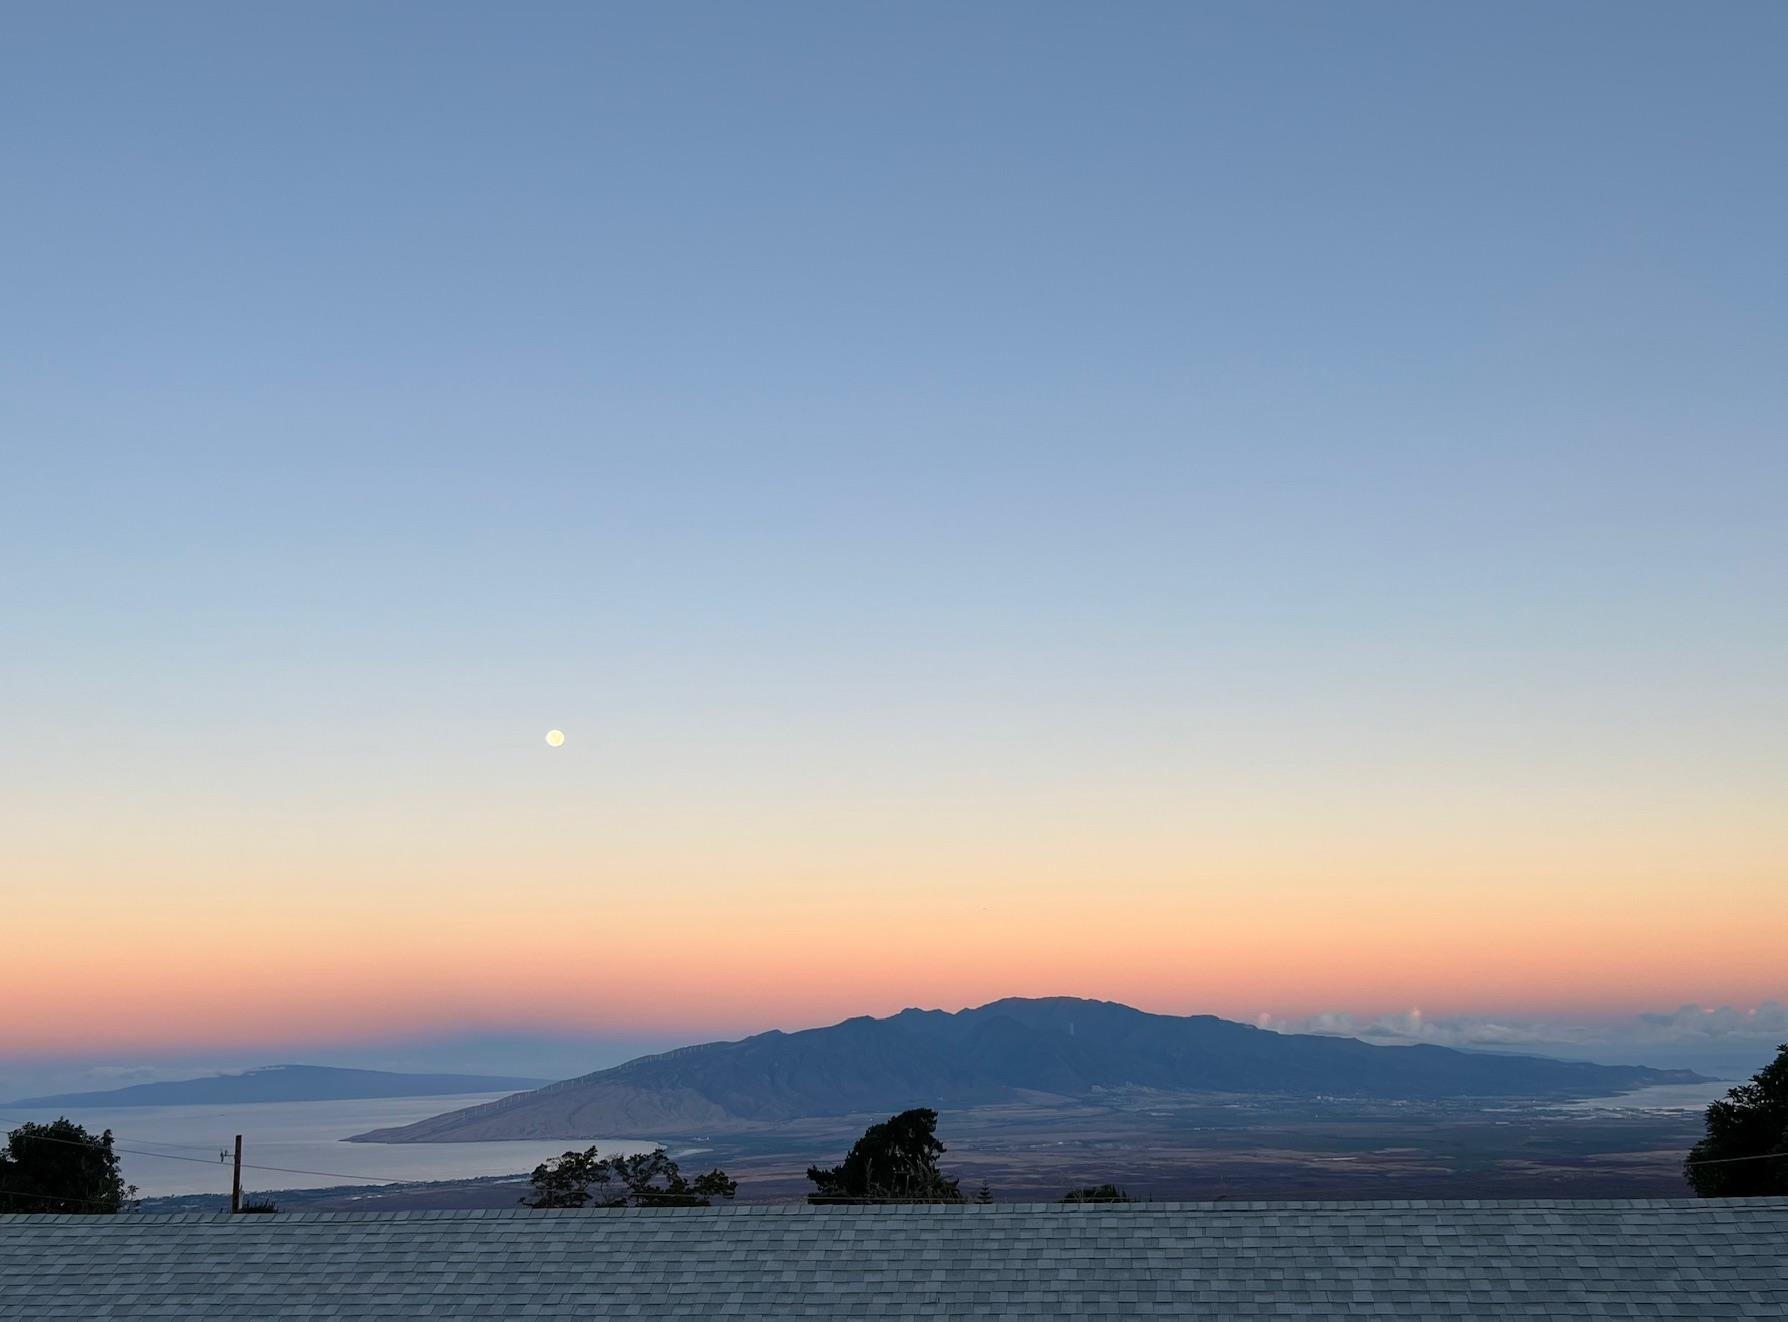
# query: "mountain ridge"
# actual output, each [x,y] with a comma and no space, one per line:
[284,1083]
[1003,1051]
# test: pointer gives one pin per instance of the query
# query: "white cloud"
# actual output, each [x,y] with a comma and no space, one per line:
[1691,1022]
[1414,1026]
[1687,1033]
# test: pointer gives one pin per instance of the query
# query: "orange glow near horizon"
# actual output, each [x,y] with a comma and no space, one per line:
[695,961]
[471,902]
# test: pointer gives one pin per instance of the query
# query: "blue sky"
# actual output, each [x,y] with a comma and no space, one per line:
[1367,418]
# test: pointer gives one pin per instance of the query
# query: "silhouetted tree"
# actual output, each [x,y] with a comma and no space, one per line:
[573,1180]
[1097,1193]
[983,1195]
[653,1180]
[1752,1122]
[895,1161]
[60,1167]
[261,1206]
[647,1179]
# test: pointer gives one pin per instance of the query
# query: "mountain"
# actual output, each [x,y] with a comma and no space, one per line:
[1002,1052]
[284,1083]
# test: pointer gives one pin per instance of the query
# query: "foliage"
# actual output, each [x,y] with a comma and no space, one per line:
[60,1167]
[1097,1193]
[984,1195]
[894,1161]
[653,1180]
[573,1180]
[1752,1121]
[646,1179]
[259,1206]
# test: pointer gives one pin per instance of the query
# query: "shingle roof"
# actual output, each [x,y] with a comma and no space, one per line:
[1630,1259]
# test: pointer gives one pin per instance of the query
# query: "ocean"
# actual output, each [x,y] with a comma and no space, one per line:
[300,1145]
[1660,1099]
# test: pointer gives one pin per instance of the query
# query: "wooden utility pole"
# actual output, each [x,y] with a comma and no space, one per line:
[236,1179]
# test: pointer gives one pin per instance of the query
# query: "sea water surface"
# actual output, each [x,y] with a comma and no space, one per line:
[1662,1098]
[176,1149]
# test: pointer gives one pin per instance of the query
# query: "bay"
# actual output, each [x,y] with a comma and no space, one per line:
[301,1145]
[1663,1098]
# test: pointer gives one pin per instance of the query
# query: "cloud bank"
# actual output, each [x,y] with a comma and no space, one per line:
[1720,1039]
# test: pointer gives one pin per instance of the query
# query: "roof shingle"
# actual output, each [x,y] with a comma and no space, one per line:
[1697,1259]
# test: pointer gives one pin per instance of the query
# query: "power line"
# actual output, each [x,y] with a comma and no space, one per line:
[57,1198]
[361,1178]
[146,1142]
[1721,1161]
[365,1178]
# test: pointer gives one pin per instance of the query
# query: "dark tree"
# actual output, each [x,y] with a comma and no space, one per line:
[1752,1122]
[573,1180]
[653,1180]
[647,1179]
[60,1167]
[984,1195]
[259,1206]
[895,1161]
[1097,1193]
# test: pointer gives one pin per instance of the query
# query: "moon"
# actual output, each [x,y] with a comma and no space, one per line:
[555,737]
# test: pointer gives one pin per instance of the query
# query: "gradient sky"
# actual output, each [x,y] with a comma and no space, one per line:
[1250,508]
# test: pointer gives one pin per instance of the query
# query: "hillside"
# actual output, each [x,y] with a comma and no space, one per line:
[1062,1047]
[284,1083]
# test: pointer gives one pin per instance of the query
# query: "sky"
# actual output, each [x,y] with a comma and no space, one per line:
[1264,509]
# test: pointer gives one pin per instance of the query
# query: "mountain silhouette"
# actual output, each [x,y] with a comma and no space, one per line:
[283,1083]
[1060,1047]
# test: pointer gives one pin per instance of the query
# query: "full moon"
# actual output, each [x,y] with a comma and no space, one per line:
[555,737]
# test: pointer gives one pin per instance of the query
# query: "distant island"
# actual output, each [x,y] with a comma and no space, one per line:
[1009,1052]
[286,1083]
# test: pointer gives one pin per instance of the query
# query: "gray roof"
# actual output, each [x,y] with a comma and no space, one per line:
[1650,1259]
